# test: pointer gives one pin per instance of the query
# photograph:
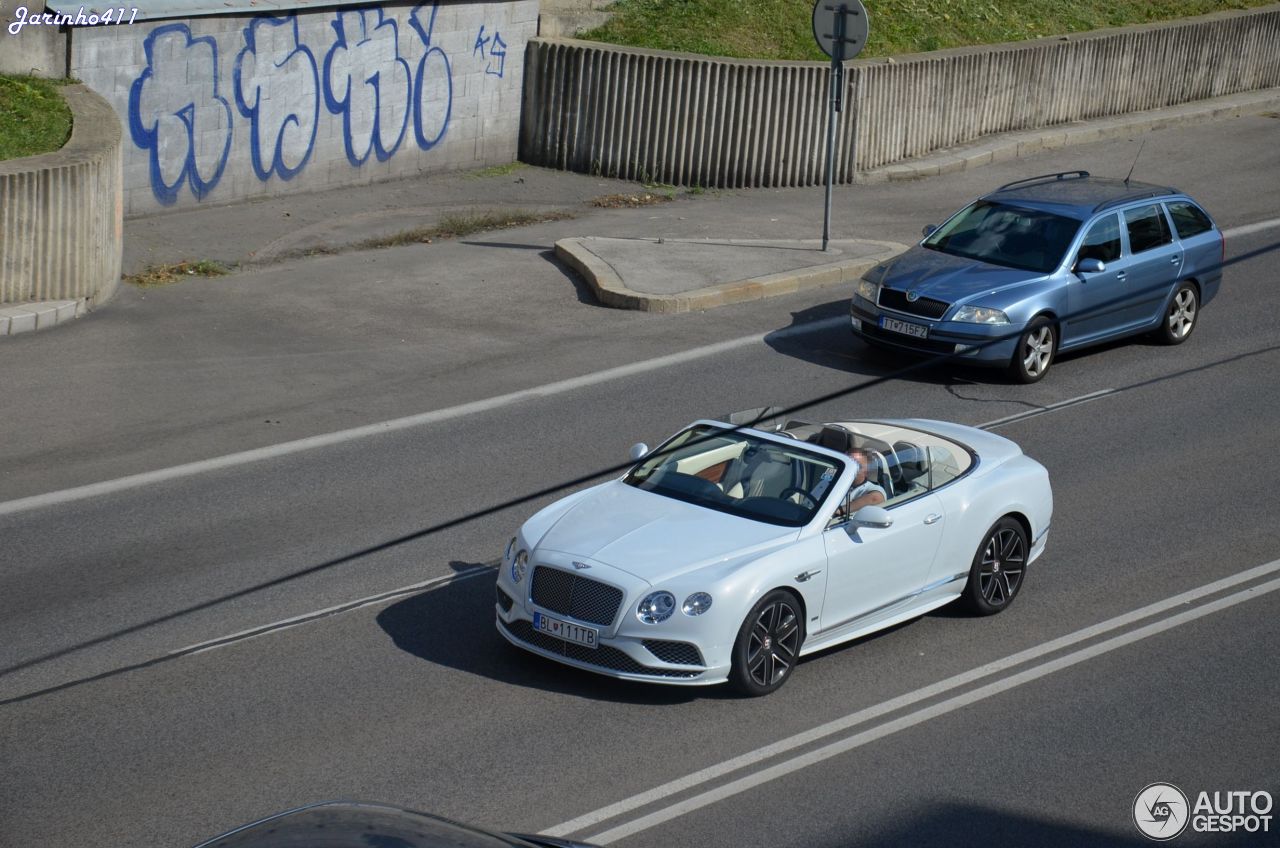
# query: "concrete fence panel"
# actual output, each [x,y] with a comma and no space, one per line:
[696,120]
[61,212]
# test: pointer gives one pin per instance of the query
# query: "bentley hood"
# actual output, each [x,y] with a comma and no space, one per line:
[945,277]
[654,537]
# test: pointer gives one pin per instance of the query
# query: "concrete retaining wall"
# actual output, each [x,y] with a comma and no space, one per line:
[38,51]
[60,213]
[231,107]
[694,120]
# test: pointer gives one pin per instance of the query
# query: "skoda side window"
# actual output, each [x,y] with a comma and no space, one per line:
[1188,219]
[1102,242]
[1147,228]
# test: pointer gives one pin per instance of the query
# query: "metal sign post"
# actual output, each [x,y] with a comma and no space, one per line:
[840,27]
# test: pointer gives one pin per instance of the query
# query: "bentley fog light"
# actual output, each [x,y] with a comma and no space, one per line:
[868,290]
[696,604]
[518,565]
[980,315]
[656,607]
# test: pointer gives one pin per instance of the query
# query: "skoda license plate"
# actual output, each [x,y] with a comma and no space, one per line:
[896,326]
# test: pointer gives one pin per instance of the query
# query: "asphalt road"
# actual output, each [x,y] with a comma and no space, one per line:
[1162,486]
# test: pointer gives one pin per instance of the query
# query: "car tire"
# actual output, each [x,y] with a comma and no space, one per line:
[768,645]
[1037,347]
[1180,318]
[993,584]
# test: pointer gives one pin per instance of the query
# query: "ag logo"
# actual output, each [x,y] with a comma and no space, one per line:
[1160,811]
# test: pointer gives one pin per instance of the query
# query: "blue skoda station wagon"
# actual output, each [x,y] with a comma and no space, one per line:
[1044,265]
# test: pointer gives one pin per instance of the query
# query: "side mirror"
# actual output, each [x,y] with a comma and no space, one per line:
[638,451]
[873,516]
[929,229]
[1090,266]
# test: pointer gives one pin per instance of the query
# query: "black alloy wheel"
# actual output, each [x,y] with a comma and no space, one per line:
[768,645]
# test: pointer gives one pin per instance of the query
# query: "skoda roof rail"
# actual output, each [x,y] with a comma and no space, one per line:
[1140,195]
[1064,175]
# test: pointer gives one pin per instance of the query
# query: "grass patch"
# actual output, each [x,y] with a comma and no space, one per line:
[460,226]
[783,29]
[154,276]
[496,171]
[33,116]
[630,201]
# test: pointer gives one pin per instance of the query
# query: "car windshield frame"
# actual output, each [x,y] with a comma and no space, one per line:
[1069,229]
[656,471]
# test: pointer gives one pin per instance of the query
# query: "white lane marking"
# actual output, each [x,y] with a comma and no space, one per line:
[864,715]
[1053,407]
[348,606]
[328,439]
[1246,229]
[920,716]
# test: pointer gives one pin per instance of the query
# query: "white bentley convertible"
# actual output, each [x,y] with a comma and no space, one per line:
[727,553]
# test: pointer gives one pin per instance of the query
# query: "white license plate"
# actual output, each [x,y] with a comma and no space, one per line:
[574,633]
[896,326]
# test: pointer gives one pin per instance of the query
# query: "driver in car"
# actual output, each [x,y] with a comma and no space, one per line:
[863,492]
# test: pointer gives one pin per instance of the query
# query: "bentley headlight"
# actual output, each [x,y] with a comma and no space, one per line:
[980,315]
[518,566]
[656,607]
[511,548]
[868,290]
[696,604]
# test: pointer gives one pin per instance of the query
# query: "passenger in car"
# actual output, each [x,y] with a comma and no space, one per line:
[863,492]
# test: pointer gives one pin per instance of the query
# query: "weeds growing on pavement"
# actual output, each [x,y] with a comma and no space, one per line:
[496,171]
[461,225]
[625,201]
[154,276]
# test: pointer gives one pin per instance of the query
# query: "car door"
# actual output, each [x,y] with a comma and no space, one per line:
[1094,299]
[1154,264]
[870,570]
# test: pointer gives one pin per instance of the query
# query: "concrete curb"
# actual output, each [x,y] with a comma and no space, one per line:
[1017,145]
[26,317]
[610,290]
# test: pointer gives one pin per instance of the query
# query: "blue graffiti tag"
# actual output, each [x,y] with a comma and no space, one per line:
[495,50]
[172,109]
[368,83]
[433,85]
[277,87]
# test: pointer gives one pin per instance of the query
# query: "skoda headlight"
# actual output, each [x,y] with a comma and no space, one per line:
[980,315]
[518,566]
[696,604]
[656,607]
[868,290]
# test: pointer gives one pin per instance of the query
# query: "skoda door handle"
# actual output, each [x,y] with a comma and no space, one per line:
[933,518]
[1120,275]
[1174,260]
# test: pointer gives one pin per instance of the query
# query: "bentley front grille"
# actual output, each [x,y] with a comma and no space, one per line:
[576,596]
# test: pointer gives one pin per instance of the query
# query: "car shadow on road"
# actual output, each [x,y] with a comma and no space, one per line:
[957,825]
[838,349]
[453,626]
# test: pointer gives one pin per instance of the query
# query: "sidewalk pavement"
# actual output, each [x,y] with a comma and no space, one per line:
[658,275]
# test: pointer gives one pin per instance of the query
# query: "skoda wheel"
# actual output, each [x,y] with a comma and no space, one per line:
[1034,354]
[768,645]
[998,569]
[1180,319]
